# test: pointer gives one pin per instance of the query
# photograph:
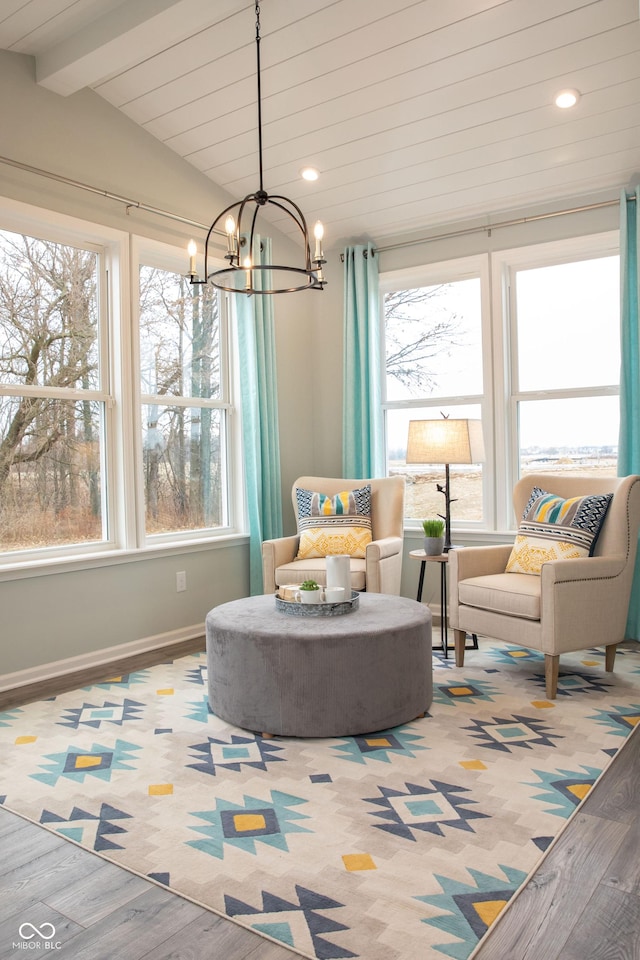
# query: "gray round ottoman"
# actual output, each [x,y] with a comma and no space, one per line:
[319,676]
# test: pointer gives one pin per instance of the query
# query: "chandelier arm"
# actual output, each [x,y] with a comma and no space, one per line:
[252,232]
[241,205]
[295,214]
[217,220]
[299,220]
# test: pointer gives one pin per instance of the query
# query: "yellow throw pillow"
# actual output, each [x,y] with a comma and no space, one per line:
[555,529]
[529,553]
[330,526]
[332,541]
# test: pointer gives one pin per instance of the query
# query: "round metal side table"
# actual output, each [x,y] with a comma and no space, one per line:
[442,559]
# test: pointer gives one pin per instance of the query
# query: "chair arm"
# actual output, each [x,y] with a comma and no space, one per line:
[274,554]
[383,568]
[465,562]
[380,549]
[583,568]
[584,602]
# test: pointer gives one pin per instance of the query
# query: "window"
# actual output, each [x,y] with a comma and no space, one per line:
[184,388]
[538,364]
[114,434]
[53,394]
[434,365]
[565,365]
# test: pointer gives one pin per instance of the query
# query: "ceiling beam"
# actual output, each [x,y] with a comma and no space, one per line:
[122,37]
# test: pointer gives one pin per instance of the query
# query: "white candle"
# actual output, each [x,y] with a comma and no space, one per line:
[318,232]
[192,249]
[230,228]
[246,263]
[339,573]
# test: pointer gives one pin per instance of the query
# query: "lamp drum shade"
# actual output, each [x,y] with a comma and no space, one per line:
[445,441]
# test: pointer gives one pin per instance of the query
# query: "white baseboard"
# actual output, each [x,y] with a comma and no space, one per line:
[97,658]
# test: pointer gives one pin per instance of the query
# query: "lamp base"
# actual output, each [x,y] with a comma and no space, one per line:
[447,509]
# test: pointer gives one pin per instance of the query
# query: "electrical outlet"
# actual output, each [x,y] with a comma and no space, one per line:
[181,581]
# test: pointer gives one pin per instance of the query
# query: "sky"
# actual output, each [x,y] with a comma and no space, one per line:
[567,334]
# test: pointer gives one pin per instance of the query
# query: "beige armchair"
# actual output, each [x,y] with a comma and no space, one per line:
[378,572]
[573,604]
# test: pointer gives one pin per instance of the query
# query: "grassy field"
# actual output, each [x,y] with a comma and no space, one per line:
[422,499]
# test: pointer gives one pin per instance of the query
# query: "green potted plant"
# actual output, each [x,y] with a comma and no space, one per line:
[310,592]
[433,536]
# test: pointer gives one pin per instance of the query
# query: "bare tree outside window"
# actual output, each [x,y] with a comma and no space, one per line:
[419,332]
[50,426]
[433,343]
[183,414]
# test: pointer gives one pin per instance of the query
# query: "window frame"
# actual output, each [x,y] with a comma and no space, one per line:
[499,405]
[111,249]
[155,254]
[507,394]
[121,455]
[447,271]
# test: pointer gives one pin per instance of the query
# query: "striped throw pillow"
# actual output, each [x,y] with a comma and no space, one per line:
[331,526]
[555,529]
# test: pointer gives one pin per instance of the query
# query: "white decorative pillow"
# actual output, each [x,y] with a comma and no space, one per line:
[555,529]
[331,526]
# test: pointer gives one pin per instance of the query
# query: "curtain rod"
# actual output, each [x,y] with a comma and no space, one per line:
[468,231]
[157,211]
[137,204]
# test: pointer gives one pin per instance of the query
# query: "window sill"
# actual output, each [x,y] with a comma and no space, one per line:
[465,538]
[88,561]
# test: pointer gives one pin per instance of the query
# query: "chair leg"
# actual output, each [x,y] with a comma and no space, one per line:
[610,657]
[551,669]
[459,639]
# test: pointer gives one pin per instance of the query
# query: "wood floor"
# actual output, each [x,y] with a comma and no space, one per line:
[583,902]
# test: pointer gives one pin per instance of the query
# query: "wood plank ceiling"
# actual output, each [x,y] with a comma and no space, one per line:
[417,113]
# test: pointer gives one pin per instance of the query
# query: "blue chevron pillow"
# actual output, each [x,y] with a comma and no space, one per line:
[555,529]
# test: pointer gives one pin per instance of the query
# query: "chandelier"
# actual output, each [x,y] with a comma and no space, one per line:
[240,219]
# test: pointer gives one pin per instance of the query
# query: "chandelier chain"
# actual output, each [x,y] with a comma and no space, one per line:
[258,73]
[243,275]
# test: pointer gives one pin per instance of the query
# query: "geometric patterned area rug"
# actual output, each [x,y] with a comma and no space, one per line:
[403,844]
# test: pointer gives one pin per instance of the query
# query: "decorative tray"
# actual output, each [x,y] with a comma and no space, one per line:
[324,609]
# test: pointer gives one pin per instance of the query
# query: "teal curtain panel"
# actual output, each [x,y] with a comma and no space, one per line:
[629,442]
[260,429]
[362,433]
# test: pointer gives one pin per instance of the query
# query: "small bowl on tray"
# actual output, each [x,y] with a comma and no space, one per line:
[323,609]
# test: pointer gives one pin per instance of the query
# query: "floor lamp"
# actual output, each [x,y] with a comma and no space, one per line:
[445,441]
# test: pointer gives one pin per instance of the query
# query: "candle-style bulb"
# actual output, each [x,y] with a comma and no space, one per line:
[230,229]
[318,232]
[192,249]
[246,263]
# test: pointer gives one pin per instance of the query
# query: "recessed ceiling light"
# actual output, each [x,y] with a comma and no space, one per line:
[309,173]
[567,98]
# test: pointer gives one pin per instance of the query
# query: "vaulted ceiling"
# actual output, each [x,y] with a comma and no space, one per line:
[416,112]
